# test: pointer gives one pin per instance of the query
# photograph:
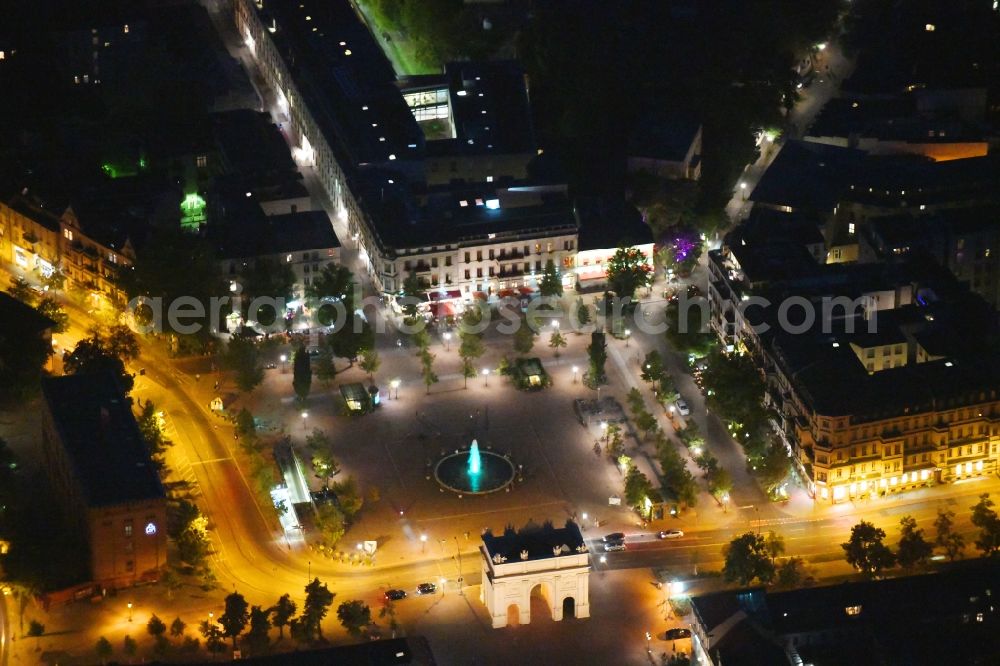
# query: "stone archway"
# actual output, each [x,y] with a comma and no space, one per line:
[568,607]
[540,598]
[513,615]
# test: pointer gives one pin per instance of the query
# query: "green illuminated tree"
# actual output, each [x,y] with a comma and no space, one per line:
[370,363]
[51,308]
[557,342]
[551,283]
[21,290]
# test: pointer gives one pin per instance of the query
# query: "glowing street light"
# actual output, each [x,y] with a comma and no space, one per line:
[555,324]
[575,371]
[395,385]
[423,543]
[486,377]
[305,415]
[628,334]
[447,340]
[130,611]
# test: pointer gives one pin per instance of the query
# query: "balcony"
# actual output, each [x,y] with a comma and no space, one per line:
[511,272]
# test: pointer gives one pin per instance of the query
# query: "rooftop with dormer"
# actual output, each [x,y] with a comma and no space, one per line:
[534,542]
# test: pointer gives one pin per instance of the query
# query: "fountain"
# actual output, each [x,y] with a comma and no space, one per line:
[475,460]
[474,472]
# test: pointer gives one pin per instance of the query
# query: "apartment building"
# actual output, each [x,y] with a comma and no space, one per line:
[100,470]
[29,234]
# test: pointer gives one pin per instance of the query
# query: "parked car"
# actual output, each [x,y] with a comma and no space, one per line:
[678,633]
[613,537]
[682,407]
[395,595]
[669,534]
[426,588]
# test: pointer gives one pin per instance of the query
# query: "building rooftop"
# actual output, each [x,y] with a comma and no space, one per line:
[249,233]
[347,82]
[102,441]
[663,136]
[807,176]
[20,318]
[251,145]
[538,540]
[607,224]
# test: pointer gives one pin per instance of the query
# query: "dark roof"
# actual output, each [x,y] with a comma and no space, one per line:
[406,219]
[537,540]
[33,209]
[663,136]
[21,318]
[102,441]
[255,234]
[808,176]
[124,209]
[889,119]
[346,80]
[499,88]
[909,180]
[610,223]
[251,145]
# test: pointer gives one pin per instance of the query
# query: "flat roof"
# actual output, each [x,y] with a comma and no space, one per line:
[248,232]
[807,175]
[101,439]
[663,136]
[346,79]
[538,540]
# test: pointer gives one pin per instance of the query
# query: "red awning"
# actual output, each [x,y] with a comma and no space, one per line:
[443,309]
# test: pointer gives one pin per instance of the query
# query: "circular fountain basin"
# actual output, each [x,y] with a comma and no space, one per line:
[495,473]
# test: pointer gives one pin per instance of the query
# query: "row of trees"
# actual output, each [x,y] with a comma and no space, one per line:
[752,556]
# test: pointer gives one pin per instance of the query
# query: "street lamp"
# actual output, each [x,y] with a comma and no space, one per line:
[628,334]
[447,340]
[395,385]
[423,544]
[284,359]
[575,371]
[130,611]
[743,189]
[555,324]
[604,429]
[486,377]
[305,415]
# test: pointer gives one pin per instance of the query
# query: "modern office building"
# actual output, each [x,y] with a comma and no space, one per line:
[100,469]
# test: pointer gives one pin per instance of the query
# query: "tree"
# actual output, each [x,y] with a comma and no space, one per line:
[388,610]
[120,341]
[524,338]
[413,288]
[865,550]
[155,626]
[747,559]
[92,355]
[54,281]
[330,523]
[354,616]
[348,497]
[557,342]
[177,627]
[282,612]
[985,518]
[103,649]
[326,371]
[652,367]
[234,619]
[49,307]
[266,278]
[243,357]
[21,290]
[774,543]
[628,270]
[551,283]
[317,605]
[582,313]
[913,550]
[720,482]
[129,646]
[427,369]
[334,284]
[22,355]
[791,572]
[246,425]
[370,363]
[470,348]
[598,356]
[260,624]
[947,538]
[646,423]
[212,634]
[638,488]
[301,373]
[677,479]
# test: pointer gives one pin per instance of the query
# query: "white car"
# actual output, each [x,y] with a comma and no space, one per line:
[670,534]
[682,407]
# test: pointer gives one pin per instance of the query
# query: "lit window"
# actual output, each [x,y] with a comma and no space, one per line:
[930,27]
[853,610]
[68,234]
[126,28]
[202,161]
[288,259]
[850,228]
[128,528]
[979,465]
